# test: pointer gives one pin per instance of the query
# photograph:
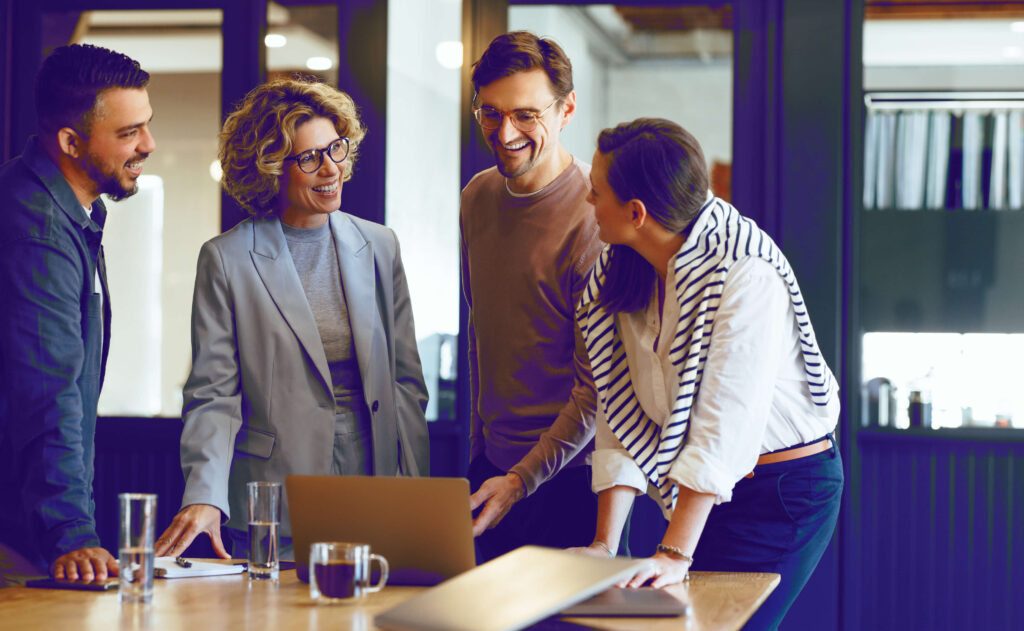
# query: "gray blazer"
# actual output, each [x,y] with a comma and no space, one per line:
[258,404]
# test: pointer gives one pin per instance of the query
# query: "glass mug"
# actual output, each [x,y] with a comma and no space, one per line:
[340,572]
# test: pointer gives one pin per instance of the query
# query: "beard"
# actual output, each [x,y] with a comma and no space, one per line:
[107,183]
[506,169]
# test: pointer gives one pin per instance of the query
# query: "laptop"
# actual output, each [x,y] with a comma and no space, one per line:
[422,526]
[510,592]
[632,602]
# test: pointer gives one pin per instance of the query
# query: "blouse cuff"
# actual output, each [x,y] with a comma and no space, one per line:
[697,472]
[615,467]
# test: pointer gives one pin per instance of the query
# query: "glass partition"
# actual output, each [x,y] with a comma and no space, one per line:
[152,239]
[423,178]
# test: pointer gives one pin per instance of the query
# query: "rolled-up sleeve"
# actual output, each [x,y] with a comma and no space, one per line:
[611,465]
[731,411]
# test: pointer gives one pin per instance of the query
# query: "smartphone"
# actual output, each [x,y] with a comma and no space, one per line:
[63,583]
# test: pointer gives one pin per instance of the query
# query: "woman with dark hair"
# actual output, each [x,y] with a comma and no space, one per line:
[304,356]
[714,397]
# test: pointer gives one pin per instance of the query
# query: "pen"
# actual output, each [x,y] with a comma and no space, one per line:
[182,562]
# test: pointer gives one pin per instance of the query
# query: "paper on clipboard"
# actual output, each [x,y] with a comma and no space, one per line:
[167,567]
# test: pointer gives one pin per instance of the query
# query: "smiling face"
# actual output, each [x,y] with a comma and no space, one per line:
[307,198]
[118,142]
[614,218]
[531,157]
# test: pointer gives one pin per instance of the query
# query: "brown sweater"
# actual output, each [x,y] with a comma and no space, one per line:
[525,262]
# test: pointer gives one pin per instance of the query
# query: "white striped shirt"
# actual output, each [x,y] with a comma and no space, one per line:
[729,420]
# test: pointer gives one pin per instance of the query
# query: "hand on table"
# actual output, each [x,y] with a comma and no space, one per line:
[497,495]
[86,564]
[664,570]
[187,525]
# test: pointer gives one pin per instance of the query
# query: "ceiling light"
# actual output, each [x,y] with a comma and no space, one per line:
[1017,27]
[1012,51]
[319,63]
[275,40]
[449,54]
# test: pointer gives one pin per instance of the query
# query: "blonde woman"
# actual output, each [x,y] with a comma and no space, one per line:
[304,353]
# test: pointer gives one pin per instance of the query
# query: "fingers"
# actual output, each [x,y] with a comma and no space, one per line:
[170,542]
[84,564]
[187,525]
[218,545]
[484,520]
[484,493]
[642,577]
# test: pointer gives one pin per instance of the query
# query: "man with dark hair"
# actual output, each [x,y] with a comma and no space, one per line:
[529,240]
[93,135]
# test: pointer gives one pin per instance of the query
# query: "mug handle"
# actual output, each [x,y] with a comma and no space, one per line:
[383,563]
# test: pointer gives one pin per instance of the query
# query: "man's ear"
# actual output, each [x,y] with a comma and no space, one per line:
[568,108]
[639,213]
[70,142]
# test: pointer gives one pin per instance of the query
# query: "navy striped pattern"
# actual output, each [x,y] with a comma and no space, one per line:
[720,237]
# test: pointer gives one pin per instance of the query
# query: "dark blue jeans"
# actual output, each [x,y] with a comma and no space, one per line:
[781,520]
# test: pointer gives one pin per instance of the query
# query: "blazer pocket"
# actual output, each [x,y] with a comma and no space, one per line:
[255,443]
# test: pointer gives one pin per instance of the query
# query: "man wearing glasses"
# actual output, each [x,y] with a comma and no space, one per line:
[529,240]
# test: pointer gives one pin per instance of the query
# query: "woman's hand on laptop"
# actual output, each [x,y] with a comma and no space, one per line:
[187,525]
[496,495]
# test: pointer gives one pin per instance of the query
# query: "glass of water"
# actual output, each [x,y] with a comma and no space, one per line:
[135,547]
[264,520]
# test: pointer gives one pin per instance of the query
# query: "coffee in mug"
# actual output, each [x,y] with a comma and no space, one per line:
[340,571]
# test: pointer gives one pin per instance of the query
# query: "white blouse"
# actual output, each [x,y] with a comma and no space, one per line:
[753,396]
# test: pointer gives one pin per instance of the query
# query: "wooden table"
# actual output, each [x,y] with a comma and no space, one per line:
[721,601]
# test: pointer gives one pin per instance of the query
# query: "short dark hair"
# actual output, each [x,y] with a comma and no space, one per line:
[661,164]
[521,50]
[72,78]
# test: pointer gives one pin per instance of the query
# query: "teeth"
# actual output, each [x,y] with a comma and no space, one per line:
[135,165]
[327,188]
[515,146]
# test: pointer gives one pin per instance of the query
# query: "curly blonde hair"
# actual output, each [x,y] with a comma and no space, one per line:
[260,134]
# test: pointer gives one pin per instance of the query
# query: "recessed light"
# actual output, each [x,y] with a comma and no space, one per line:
[1012,51]
[215,171]
[275,40]
[1017,27]
[319,63]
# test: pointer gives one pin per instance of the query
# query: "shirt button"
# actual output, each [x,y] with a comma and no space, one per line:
[376,404]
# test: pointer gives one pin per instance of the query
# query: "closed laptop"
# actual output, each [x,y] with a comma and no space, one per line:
[510,592]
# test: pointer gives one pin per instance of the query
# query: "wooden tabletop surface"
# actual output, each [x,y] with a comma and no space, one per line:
[722,601]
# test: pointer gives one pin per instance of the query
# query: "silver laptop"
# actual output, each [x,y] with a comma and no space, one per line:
[642,602]
[511,592]
[422,526]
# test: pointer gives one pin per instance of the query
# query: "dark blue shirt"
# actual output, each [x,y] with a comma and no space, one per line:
[54,335]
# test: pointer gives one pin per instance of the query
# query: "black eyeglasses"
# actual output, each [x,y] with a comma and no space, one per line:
[311,161]
[524,120]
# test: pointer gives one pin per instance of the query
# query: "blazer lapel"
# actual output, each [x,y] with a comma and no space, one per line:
[277,271]
[355,256]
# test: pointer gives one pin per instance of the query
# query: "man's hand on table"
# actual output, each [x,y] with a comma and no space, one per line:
[496,495]
[86,564]
[187,525]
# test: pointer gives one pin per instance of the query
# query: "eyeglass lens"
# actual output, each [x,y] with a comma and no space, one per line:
[310,161]
[490,118]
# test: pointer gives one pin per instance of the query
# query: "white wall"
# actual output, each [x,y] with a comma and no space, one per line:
[611,90]
[422,182]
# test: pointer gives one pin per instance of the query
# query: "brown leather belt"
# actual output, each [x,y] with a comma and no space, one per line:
[792,454]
